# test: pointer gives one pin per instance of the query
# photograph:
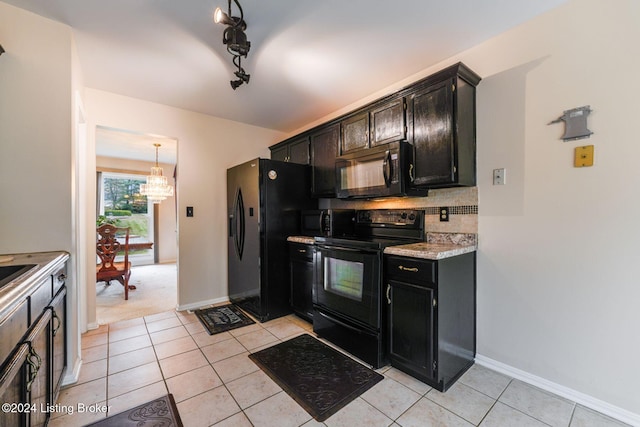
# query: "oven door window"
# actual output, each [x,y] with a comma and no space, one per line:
[348,283]
[344,278]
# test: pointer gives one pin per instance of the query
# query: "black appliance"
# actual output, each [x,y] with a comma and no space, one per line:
[381,171]
[327,222]
[347,284]
[264,199]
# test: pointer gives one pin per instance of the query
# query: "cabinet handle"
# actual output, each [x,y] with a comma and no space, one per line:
[412,175]
[302,251]
[34,361]
[62,277]
[388,296]
[411,269]
[55,318]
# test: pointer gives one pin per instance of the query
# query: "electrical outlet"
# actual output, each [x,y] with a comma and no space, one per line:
[189,211]
[499,176]
[444,214]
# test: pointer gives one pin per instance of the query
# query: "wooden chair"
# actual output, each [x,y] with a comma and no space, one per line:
[107,248]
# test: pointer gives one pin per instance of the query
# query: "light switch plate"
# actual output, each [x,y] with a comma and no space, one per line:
[499,176]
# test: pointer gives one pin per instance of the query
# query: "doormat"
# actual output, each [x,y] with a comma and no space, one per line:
[222,318]
[322,380]
[159,412]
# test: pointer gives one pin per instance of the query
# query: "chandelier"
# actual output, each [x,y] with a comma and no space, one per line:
[156,189]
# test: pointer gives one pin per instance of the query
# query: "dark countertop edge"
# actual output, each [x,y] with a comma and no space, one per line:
[14,292]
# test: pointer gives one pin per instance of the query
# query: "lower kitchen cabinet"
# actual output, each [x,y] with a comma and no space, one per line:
[31,375]
[301,262]
[432,321]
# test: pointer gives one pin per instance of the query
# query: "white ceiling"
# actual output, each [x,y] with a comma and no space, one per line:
[308,58]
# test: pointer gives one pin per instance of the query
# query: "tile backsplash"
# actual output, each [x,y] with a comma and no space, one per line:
[462,203]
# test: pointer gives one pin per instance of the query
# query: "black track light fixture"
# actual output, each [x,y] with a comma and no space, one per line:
[235,39]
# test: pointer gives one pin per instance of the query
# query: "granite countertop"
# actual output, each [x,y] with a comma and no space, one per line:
[437,246]
[305,240]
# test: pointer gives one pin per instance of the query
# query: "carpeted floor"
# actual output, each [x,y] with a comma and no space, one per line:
[156,292]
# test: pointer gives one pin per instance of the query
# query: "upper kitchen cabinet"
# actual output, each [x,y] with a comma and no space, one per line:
[355,132]
[374,125]
[325,143]
[294,150]
[388,122]
[442,128]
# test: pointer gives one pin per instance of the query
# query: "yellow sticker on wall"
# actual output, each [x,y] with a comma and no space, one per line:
[583,156]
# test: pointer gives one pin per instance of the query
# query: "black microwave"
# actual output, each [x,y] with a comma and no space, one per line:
[328,222]
[382,171]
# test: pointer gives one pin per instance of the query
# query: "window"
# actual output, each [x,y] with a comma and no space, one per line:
[122,204]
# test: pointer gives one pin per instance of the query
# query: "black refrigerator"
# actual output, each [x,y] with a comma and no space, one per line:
[264,199]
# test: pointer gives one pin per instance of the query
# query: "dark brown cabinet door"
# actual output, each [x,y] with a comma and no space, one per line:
[355,133]
[411,325]
[301,261]
[38,369]
[388,122]
[13,387]
[299,151]
[59,320]
[295,151]
[324,150]
[280,153]
[432,129]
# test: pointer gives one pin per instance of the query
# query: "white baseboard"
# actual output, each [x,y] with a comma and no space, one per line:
[72,375]
[92,326]
[199,304]
[562,391]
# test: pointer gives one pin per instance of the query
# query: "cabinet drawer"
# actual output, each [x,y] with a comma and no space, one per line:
[39,299]
[411,270]
[301,251]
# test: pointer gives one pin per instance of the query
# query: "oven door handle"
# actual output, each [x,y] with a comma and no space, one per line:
[339,322]
[342,248]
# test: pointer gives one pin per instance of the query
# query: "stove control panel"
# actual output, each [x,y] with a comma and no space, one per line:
[390,217]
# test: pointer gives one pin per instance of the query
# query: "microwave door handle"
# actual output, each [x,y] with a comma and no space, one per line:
[386,168]
[322,214]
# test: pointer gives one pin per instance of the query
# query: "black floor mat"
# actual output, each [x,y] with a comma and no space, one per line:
[222,318]
[322,380]
[159,412]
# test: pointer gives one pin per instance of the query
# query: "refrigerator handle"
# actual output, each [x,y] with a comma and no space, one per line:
[238,224]
[231,225]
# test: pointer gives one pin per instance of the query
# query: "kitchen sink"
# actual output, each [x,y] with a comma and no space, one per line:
[8,273]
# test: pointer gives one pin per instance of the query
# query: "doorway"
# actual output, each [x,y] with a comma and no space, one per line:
[123,161]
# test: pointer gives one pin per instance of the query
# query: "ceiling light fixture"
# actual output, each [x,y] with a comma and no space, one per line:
[156,189]
[235,39]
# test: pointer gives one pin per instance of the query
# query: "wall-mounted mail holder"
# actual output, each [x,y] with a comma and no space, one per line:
[575,123]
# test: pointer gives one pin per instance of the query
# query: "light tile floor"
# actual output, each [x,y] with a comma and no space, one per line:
[214,383]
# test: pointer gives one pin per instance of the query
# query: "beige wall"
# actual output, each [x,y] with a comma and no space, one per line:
[35,133]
